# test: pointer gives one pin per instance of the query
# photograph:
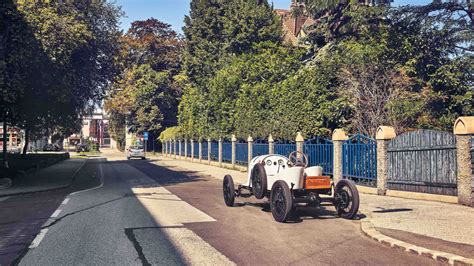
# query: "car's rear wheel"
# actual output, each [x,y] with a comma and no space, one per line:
[229,190]
[346,199]
[281,201]
[259,181]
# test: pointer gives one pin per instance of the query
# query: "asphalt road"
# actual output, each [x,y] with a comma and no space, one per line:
[145,214]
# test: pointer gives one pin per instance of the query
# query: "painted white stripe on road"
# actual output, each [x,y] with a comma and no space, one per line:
[94,188]
[56,213]
[36,242]
[4,199]
[65,201]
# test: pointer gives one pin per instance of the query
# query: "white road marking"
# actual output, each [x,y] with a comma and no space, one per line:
[56,213]
[4,199]
[94,188]
[65,201]
[38,238]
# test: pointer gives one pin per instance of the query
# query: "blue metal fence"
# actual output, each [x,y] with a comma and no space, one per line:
[359,159]
[188,147]
[284,149]
[259,149]
[320,152]
[227,152]
[204,150]
[241,153]
[214,151]
[182,148]
[196,150]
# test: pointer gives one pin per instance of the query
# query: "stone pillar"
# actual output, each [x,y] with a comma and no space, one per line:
[234,140]
[250,148]
[464,130]
[192,150]
[338,138]
[179,147]
[174,148]
[185,148]
[209,143]
[383,136]
[220,152]
[271,145]
[299,145]
[200,150]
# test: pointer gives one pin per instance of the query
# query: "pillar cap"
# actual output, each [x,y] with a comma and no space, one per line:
[220,139]
[385,133]
[234,139]
[249,139]
[464,125]
[339,134]
[270,138]
[209,140]
[299,137]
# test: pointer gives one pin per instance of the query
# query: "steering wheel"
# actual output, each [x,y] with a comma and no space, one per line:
[296,160]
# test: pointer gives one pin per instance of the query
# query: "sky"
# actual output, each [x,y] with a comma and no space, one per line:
[173,11]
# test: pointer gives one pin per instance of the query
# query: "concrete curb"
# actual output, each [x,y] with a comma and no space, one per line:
[369,230]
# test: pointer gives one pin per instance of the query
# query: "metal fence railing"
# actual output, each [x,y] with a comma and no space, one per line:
[260,149]
[242,153]
[227,152]
[204,150]
[320,154]
[214,151]
[284,149]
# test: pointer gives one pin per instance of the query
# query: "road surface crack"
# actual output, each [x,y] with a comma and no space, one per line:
[131,236]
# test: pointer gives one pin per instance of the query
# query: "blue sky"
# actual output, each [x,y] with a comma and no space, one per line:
[173,11]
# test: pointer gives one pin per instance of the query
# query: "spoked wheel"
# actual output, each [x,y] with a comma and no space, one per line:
[259,181]
[281,201]
[346,199]
[229,191]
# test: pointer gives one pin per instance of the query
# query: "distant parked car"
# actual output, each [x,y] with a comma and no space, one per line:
[82,148]
[48,147]
[135,152]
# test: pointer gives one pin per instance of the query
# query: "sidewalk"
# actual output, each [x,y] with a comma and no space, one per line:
[57,176]
[433,225]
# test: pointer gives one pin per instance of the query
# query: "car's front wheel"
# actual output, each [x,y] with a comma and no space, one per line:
[229,190]
[281,201]
[346,199]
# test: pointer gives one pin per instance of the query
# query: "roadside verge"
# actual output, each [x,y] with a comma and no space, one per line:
[57,176]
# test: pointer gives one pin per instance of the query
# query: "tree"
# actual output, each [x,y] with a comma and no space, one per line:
[216,32]
[146,93]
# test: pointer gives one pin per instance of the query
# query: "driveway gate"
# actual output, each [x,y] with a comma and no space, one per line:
[359,159]
[423,161]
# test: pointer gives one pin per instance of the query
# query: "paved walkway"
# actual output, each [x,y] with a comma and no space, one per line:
[442,226]
[57,176]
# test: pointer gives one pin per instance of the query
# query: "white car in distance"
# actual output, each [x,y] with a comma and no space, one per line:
[136,151]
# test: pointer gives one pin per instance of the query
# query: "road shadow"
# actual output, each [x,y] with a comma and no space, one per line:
[383,210]
[163,175]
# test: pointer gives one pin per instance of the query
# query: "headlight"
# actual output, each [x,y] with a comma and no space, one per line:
[280,162]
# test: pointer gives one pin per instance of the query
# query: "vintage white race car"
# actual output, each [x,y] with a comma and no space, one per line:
[288,182]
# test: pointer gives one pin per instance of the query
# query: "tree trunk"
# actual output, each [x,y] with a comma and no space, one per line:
[27,139]
[5,143]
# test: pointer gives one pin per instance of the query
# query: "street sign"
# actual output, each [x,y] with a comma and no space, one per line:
[145,135]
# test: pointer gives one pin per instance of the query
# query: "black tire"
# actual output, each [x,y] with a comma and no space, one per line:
[259,181]
[346,199]
[229,190]
[281,201]
[143,158]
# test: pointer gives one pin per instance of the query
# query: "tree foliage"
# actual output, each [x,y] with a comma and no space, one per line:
[146,93]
